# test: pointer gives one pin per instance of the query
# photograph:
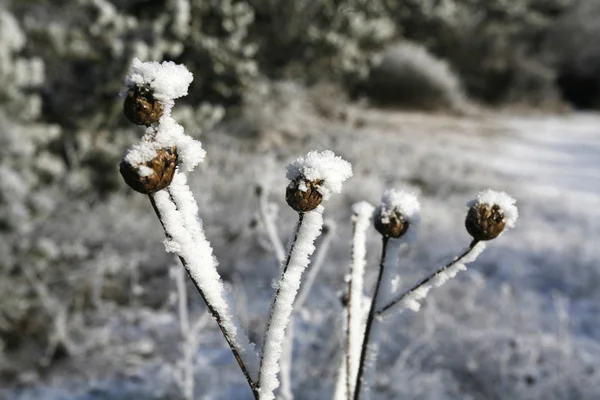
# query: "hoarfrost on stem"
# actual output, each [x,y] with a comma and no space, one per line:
[357,305]
[282,307]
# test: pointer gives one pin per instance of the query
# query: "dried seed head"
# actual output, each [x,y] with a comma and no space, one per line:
[390,224]
[151,176]
[303,196]
[485,221]
[140,106]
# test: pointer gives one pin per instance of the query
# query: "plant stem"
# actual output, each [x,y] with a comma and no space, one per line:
[302,246]
[370,318]
[428,279]
[270,226]
[349,321]
[211,309]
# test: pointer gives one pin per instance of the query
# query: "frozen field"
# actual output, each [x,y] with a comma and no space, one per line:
[523,322]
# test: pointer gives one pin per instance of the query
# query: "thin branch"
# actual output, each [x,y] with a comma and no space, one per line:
[436,279]
[270,226]
[211,309]
[316,265]
[370,318]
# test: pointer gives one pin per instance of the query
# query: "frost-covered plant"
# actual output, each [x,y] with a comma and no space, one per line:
[156,166]
[489,215]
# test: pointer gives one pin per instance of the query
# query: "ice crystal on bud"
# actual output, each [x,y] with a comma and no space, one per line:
[397,212]
[329,170]
[167,80]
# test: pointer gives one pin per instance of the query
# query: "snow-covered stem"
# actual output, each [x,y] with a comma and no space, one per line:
[410,298]
[370,318]
[270,226]
[307,230]
[340,386]
[287,359]
[389,280]
[187,379]
[285,392]
[354,308]
[166,209]
[315,268]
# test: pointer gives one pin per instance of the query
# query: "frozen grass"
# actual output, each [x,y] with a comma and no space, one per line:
[504,332]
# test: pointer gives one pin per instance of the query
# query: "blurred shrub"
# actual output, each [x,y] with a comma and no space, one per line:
[320,40]
[573,46]
[409,76]
[495,45]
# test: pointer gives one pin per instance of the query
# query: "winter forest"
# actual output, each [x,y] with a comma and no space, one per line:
[299,199]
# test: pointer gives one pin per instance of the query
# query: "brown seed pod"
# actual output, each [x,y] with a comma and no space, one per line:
[140,106]
[303,201]
[163,165]
[484,222]
[393,225]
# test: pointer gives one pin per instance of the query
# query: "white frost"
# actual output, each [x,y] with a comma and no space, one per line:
[282,307]
[398,201]
[167,80]
[178,212]
[506,203]
[411,299]
[325,166]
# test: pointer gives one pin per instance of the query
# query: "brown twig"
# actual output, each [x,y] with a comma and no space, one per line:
[370,318]
[428,279]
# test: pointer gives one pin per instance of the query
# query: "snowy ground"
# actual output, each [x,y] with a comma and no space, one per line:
[521,323]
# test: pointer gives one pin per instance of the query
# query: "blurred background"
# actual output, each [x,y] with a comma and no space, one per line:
[440,97]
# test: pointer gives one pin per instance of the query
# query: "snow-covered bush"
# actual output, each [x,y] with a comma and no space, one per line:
[572,45]
[495,46]
[409,76]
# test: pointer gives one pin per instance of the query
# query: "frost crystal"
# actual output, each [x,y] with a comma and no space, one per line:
[167,80]
[397,201]
[322,166]
[503,200]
